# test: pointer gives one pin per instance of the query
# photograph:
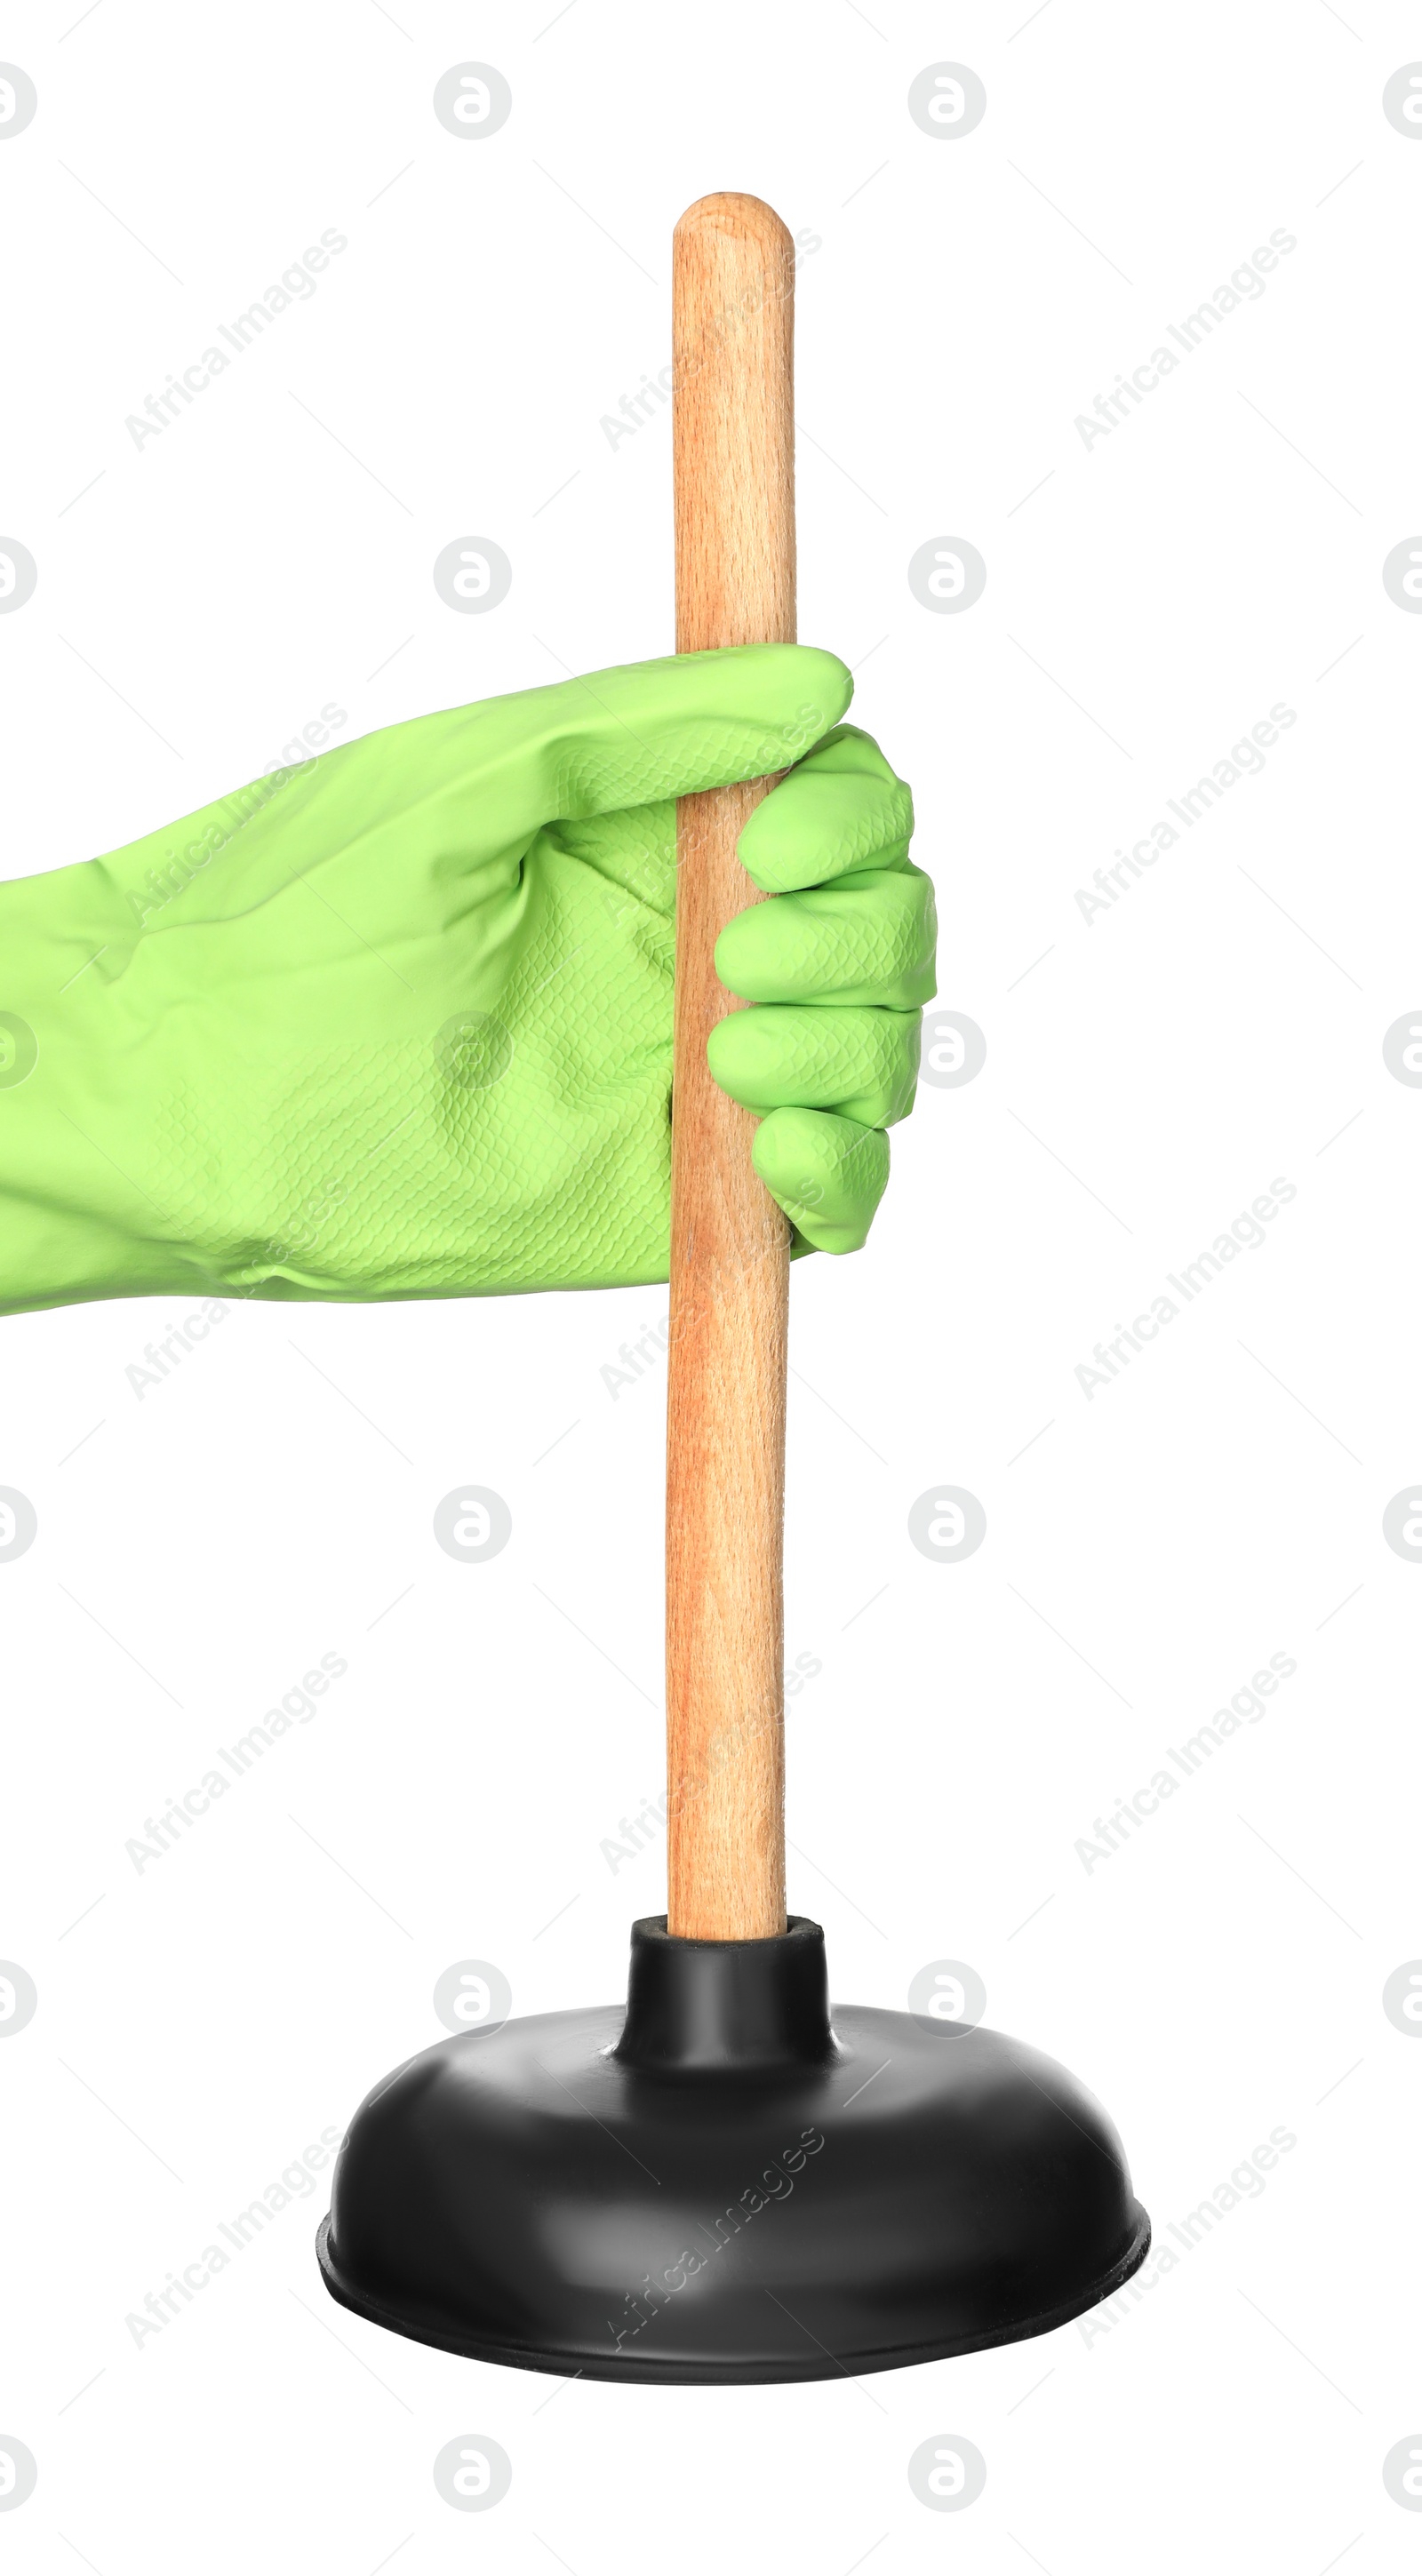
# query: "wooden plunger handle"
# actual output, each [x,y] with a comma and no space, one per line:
[733,266]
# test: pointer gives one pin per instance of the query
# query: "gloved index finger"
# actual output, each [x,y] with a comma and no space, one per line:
[842,808]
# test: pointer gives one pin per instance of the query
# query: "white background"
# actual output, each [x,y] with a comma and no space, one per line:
[1147,1076]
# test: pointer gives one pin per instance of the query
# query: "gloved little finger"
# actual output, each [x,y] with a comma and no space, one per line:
[827,1173]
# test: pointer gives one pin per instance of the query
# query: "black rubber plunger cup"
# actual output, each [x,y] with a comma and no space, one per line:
[725,2183]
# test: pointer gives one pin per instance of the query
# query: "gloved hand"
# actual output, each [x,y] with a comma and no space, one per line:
[397,1022]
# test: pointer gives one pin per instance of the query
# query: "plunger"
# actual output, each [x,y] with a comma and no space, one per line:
[724,2181]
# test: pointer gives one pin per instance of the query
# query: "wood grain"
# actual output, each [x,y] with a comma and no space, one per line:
[733,434]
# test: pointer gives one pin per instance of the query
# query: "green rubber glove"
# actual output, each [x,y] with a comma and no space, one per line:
[397,1022]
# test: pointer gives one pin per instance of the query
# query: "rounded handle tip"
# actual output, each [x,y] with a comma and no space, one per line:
[738,218]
